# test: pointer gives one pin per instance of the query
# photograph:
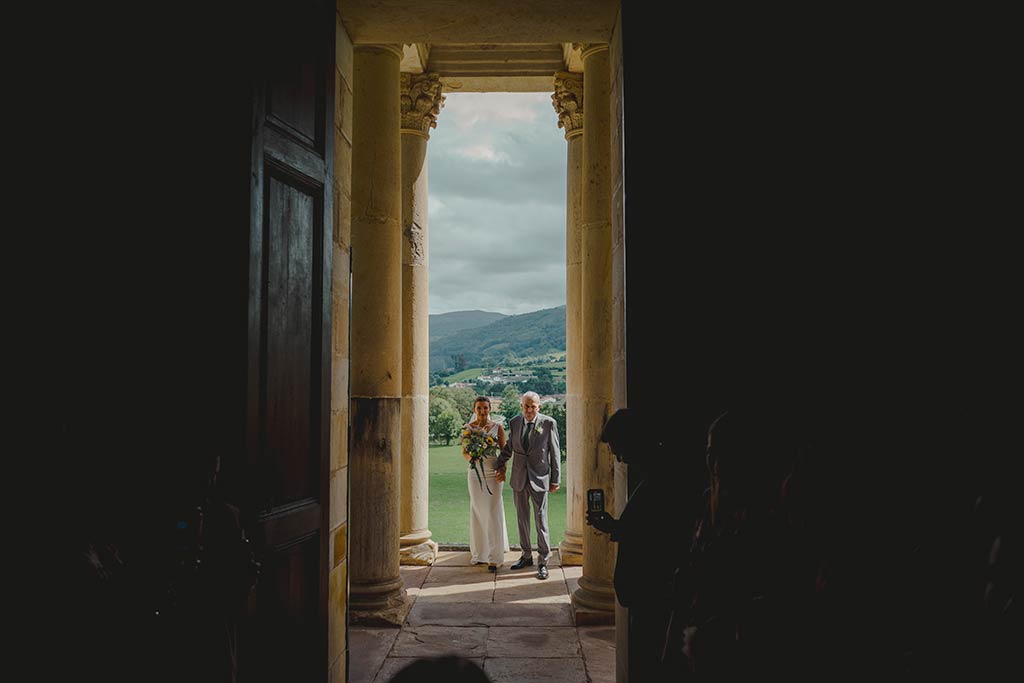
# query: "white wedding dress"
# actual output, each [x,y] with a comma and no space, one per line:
[488,535]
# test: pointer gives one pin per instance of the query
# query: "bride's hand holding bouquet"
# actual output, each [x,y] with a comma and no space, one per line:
[478,445]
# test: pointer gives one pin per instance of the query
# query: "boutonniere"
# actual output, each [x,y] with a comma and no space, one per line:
[538,429]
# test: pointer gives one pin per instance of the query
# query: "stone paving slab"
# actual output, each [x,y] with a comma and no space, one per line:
[453,558]
[462,558]
[522,669]
[572,578]
[435,641]
[513,556]
[598,643]
[368,648]
[413,577]
[392,665]
[537,641]
[492,614]
[528,577]
[533,590]
[481,592]
[459,575]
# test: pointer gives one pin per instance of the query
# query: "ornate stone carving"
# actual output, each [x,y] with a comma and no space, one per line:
[417,245]
[589,48]
[421,102]
[568,102]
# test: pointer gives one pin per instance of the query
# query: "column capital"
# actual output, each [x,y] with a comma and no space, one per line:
[568,102]
[382,47]
[421,102]
[587,49]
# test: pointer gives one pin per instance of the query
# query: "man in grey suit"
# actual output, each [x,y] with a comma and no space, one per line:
[533,442]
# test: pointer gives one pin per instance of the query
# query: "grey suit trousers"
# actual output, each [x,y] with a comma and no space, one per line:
[540,514]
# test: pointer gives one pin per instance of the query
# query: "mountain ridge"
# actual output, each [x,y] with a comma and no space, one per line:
[445,324]
[526,334]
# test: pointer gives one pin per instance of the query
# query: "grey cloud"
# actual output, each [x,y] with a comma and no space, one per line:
[497,242]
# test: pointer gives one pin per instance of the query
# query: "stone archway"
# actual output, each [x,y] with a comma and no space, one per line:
[379,407]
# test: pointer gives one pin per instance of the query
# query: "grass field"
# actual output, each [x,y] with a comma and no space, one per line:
[465,375]
[449,501]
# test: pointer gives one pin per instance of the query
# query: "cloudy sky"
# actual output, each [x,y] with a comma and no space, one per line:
[497,204]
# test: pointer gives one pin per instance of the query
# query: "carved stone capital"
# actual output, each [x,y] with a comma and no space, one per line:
[421,102]
[568,102]
[382,47]
[587,49]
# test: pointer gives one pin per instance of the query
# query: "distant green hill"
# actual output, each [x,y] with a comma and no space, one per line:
[445,324]
[528,334]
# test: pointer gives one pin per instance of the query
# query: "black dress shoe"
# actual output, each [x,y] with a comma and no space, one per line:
[523,562]
[492,567]
[542,571]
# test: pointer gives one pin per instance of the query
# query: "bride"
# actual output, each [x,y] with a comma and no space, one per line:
[488,536]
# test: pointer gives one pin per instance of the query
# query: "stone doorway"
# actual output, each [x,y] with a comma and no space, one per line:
[379,392]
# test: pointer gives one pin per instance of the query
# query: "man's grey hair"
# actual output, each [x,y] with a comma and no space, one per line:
[530,394]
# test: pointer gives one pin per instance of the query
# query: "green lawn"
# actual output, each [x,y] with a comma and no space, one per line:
[465,375]
[449,501]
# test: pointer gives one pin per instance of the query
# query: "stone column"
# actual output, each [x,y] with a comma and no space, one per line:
[421,102]
[376,591]
[568,102]
[594,599]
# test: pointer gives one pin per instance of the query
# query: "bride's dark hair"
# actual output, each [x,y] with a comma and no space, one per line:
[486,400]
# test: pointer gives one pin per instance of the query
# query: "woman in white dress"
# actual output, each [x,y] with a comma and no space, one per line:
[488,535]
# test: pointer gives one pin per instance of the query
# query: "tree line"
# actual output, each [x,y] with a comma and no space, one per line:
[452,407]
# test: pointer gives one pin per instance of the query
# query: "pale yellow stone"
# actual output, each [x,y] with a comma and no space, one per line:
[376,219]
[415,468]
[572,545]
[422,554]
[339,440]
[336,611]
[595,591]
[343,57]
[343,172]
[457,21]
[343,108]
[339,497]
[339,544]
[339,385]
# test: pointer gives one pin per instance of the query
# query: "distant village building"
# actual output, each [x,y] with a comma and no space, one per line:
[503,376]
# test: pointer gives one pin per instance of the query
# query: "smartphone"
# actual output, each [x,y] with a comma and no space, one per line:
[595,500]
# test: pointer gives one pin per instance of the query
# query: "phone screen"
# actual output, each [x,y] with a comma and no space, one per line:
[595,500]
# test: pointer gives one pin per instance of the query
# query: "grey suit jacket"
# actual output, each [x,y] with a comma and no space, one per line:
[541,465]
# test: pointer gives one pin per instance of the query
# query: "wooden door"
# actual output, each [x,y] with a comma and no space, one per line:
[288,392]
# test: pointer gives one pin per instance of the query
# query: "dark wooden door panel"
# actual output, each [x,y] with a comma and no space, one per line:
[287,615]
[292,252]
[289,342]
[292,102]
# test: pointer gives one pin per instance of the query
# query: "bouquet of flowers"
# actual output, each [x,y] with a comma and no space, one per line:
[479,445]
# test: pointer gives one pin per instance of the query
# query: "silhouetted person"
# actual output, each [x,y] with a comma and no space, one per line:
[742,564]
[653,535]
[450,669]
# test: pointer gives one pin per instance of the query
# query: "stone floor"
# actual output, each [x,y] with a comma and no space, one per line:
[517,627]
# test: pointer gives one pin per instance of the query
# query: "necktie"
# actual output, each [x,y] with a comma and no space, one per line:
[526,436]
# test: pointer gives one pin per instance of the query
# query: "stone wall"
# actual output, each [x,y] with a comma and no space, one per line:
[337,610]
[618,311]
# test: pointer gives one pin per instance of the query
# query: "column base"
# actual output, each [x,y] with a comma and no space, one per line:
[594,596]
[571,549]
[420,554]
[382,603]
[393,616]
[415,537]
